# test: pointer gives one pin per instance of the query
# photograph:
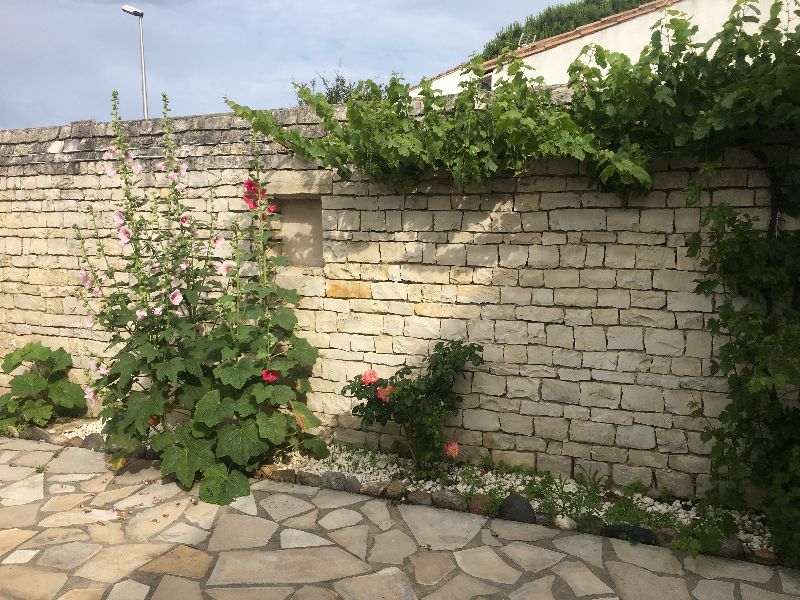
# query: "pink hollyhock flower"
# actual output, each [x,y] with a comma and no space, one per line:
[93,365]
[172,177]
[177,313]
[270,375]
[90,397]
[185,219]
[383,393]
[184,265]
[452,449]
[103,370]
[160,166]
[181,187]
[125,234]
[141,314]
[90,321]
[184,169]
[112,149]
[272,209]
[369,377]
[96,290]
[225,267]
[119,219]
[85,279]
[137,168]
[158,310]
[175,297]
[129,157]
[218,240]
[111,171]
[102,277]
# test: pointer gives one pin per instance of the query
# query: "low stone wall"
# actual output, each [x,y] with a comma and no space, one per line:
[583,300]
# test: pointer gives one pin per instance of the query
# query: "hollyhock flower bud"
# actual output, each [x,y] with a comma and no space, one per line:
[141,314]
[452,449]
[383,393]
[184,265]
[270,375]
[369,377]
[119,219]
[125,234]
[136,169]
[90,397]
[96,290]
[175,297]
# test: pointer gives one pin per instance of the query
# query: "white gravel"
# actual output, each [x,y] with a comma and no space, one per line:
[95,426]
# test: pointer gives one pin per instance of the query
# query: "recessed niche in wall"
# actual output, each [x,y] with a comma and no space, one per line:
[301,231]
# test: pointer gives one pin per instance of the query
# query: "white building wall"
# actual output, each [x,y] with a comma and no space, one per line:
[629,37]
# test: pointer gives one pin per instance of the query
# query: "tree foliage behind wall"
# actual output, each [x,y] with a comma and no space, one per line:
[555,20]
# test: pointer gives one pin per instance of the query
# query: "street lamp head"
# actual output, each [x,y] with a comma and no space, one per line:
[132,10]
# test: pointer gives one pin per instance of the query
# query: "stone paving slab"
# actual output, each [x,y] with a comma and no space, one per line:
[79,532]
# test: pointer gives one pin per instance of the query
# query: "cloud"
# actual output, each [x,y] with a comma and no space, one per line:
[67,56]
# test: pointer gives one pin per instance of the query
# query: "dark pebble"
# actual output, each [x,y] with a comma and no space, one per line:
[419,497]
[93,441]
[352,485]
[632,533]
[333,480]
[517,508]
[449,499]
[306,478]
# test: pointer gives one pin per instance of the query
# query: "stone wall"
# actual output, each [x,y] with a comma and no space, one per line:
[583,301]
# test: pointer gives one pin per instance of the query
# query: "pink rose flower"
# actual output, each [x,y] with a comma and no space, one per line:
[383,393]
[119,219]
[369,377]
[452,449]
[125,234]
[175,297]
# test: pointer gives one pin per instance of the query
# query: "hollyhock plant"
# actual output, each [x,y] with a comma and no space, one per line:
[182,338]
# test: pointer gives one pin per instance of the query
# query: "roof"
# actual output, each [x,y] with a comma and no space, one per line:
[577,33]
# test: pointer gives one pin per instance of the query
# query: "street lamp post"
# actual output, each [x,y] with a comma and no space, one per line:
[136,12]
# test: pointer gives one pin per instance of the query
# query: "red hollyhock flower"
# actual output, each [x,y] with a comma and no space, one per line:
[383,393]
[272,209]
[270,375]
[251,203]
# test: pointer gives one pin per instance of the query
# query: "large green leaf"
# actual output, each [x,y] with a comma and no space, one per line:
[284,318]
[238,374]
[59,360]
[37,411]
[211,411]
[28,385]
[139,407]
[240,441]
[220,486]
[303,352]
[273,428]
[280,394]
[170,369]
[29,352]
[309,419]
[66,394]
[317,447]
[186,457]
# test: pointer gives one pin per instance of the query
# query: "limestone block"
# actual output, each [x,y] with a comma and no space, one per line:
[625,338]
[301,183]
[595,433]
[481,420]
[627,474]
[552,428]
[560,335]
[664,342]
[543,257]
[636,436]
[586,219]
[565,392]
[604,395]
[589,338]
[642,398]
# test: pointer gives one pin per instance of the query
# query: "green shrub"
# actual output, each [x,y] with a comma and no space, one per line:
[418,404]
[199,328]
[43,391]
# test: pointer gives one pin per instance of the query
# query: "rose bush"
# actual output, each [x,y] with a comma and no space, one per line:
[418,404]
[207,369]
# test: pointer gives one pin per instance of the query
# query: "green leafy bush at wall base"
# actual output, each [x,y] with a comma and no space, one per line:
[419,405]
[199,328]
[41,393]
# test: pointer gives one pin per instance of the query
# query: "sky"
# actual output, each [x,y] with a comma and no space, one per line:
[61,59]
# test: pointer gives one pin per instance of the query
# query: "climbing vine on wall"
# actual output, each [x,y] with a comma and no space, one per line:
[741,89]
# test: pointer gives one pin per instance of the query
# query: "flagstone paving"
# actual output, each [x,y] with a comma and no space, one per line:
[77,532]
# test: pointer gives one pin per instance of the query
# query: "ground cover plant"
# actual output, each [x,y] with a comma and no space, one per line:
[419,404]
[207,369]
[741,89]
[43,391]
